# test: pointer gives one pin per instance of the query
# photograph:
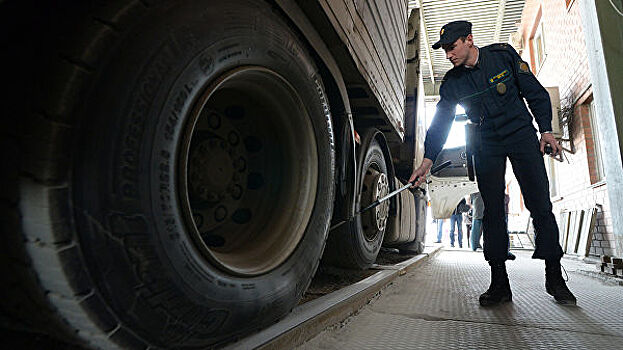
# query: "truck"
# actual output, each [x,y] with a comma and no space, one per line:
[173,168]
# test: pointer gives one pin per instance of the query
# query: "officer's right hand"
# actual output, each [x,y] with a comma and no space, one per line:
[549,139]
[420,172]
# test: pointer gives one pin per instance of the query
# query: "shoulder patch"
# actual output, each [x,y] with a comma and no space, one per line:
[498,46]
[523,67]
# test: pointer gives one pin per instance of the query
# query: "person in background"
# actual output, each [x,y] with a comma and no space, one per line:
[467,218]
[478,206]
[439,230]
[478,209]
[457,220]
[507,200]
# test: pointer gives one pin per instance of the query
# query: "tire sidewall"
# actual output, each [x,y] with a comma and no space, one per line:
[168,135]
[195,50]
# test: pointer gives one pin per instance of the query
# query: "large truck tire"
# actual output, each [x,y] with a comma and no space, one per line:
[356,244]
[176,178]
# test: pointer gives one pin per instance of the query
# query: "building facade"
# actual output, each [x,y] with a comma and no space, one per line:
[551,39]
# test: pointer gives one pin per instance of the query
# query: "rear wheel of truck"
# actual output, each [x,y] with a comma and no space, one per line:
[356,244]
[193,203]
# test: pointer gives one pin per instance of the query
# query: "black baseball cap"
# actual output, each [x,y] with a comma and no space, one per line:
[452,31]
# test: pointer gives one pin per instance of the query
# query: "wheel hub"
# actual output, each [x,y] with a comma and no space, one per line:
[248,171]
[381,189]
[210,167]
[217,172]
[376,186]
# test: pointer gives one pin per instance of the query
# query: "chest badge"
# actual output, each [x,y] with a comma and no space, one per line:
[501,88]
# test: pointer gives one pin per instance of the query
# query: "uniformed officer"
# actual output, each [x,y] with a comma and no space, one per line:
[491,83]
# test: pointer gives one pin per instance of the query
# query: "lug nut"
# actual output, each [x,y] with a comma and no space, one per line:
[240,164]
[220,213]
[212,197]
[236,192]
[233,138]
[214,121]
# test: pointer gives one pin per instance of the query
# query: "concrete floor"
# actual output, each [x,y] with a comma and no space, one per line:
[436,307]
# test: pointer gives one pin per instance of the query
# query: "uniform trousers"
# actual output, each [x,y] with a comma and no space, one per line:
[522,149]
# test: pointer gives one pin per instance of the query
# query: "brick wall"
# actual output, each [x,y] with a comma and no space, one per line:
[566,66]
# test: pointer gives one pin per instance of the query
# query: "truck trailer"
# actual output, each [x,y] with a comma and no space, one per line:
[173,168]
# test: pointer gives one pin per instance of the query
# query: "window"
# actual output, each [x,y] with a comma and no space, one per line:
[539,46]
[597,164]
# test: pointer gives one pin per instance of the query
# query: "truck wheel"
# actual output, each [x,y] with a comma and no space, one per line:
[418,225]
[356,244]
[197,195]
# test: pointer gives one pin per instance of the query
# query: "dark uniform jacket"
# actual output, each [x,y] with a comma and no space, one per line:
[492,94]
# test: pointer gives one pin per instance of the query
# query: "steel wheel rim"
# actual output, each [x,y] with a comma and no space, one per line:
[375,186]
[248,172]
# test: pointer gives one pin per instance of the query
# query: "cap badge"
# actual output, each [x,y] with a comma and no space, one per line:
[441,32]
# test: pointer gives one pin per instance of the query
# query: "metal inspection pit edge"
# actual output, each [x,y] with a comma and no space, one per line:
[309,319]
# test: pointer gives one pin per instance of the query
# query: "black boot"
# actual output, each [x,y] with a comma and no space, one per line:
[500,289]
[555,285]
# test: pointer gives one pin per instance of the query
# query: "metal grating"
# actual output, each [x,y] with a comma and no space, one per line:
[436,307]
[493,21]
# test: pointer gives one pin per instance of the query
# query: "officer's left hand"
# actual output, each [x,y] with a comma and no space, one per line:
[551,140]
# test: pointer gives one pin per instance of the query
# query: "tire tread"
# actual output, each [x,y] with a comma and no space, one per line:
[47,288]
